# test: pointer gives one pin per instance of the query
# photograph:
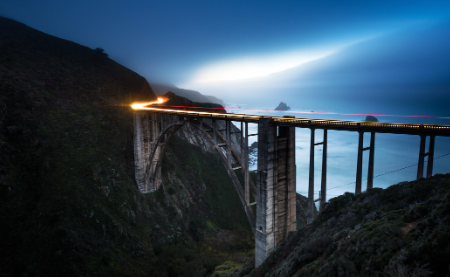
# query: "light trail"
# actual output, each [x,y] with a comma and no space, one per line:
[336,124]
[143,107]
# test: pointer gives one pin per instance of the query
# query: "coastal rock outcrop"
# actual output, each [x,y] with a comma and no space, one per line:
[371,118]
[282,107]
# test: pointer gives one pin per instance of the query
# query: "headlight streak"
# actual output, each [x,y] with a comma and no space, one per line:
[143,106]
[302,121]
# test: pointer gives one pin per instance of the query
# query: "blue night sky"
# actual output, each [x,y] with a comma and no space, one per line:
[357,50]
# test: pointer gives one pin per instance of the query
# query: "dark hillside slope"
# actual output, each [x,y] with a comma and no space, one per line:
[179,102]
[37,63]
[403,230]
[192,95]
[69,204]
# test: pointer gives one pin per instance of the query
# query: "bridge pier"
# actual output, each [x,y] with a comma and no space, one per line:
[310,201]
[359,163]
[422,156]
[228,141]
[275,211]
[323,185]
[146,130]
[139,150]
[371,161]
[244,151]
[361,149]
[430,157]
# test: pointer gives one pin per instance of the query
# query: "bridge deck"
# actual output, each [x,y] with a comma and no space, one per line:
[342,125]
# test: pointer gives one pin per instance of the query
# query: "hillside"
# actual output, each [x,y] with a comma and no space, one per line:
[69,204]
[183,103]
[403,230]
[192,95]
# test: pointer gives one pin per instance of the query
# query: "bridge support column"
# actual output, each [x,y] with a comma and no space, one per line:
[276,196]
[430,157]
[228,139]
[246,169]
[154,182]
[361,149]
[139,150]
[323,186]
[310,202]
[371,161]
[422,156]
[359,163]
[214,131]
[423,138]
[242,141]
[145,132]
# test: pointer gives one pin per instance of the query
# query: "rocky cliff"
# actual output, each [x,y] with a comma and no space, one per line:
[282,107]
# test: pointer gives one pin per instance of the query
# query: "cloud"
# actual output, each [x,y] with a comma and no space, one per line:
[405,71]
[251,67]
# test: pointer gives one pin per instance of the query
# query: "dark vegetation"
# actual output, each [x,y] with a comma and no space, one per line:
[182,103]
[195,96]
[403,230]
[69,205]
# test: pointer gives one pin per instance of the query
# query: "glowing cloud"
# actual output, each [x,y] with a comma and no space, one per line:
[246,68]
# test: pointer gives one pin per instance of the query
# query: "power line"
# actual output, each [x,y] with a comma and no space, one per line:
[389,172]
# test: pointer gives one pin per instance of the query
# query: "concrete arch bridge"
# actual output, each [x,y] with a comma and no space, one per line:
[274,193]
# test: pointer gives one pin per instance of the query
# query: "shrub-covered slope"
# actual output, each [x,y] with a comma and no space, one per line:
[403,230]
[192,95]
[69,205]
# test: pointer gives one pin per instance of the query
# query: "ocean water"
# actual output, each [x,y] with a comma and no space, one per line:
[396,156]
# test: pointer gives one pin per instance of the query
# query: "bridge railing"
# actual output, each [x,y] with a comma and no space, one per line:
[441,130]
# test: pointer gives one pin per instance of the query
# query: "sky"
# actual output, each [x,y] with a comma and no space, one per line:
[202,44]
[377,57]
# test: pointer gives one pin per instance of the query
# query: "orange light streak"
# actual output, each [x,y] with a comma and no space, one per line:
[161,100]
[144,106]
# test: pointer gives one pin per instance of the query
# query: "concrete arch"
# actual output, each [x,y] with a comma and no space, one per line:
[150,133]
[153,170]
[156,131]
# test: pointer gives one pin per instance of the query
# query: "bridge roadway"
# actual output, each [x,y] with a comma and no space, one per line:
[274,193]
[341,125]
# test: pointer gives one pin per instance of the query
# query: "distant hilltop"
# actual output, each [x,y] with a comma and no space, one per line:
[282,107]
[195,96]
